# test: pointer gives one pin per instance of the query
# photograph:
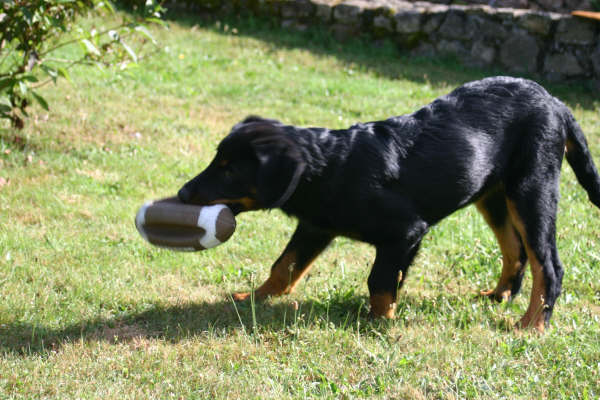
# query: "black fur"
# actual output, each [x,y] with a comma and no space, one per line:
[499,141]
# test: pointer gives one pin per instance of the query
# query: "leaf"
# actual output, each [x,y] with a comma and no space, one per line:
[64,73]
[157,21]
[41,100]
[27,15]
[50,71]
[7,82]
[90,47]
[23,87]
[29,78]
[144,31]
[107,5]
[129,51]
[5,101]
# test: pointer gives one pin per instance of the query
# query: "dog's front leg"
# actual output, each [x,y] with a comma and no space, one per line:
[387,276]
[305,245]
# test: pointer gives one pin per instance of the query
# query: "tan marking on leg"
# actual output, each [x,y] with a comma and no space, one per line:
[299,273]
[383,305]
[278,283]
[534,316]
[284,277]
[510,247]
[569,145]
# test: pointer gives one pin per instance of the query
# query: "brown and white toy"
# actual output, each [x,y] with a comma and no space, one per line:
[171,224]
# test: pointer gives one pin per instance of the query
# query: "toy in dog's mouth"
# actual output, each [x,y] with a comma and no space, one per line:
[237,205]
[171,224]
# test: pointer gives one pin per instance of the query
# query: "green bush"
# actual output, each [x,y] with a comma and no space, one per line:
[202,4]
[33,31]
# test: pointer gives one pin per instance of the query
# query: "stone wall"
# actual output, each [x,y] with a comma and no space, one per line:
[564,6]
[552,45]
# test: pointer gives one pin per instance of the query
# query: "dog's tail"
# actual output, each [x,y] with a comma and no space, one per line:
[580,159]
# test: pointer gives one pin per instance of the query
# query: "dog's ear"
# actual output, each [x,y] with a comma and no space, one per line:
[250,119]
[281,165]
[256,118]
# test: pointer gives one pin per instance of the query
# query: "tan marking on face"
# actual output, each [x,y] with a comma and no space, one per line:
[383,305]
[534,316]
[247,202]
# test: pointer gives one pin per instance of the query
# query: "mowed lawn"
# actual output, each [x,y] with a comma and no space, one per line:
[89,310]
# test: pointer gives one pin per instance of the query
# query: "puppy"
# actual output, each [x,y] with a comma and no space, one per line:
[497,143]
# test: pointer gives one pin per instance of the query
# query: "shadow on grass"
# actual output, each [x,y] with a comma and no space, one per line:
[175,323]
[382,57]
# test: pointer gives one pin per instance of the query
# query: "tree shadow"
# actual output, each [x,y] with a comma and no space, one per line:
[221,319]
[11,139]
[174,323]
[383,57]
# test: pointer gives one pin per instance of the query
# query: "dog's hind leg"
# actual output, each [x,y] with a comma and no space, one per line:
[514,258]
[295,261]
[533,212]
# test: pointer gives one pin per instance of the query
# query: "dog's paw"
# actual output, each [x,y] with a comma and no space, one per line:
[494,294]
[241,296]
[528,322]
[382,306]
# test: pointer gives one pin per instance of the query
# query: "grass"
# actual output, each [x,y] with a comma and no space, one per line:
[89,310]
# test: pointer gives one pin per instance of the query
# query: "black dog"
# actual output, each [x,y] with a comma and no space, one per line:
[497,143]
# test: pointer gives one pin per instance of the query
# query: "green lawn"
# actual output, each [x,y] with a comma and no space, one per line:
[89,310]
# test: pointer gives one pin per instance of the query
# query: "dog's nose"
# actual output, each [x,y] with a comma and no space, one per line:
[183,195]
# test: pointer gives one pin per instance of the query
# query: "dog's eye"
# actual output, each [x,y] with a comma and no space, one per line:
[229,171]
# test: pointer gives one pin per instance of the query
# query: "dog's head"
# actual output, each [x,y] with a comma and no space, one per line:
[256,166]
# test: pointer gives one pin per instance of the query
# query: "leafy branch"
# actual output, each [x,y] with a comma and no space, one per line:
[32,32]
